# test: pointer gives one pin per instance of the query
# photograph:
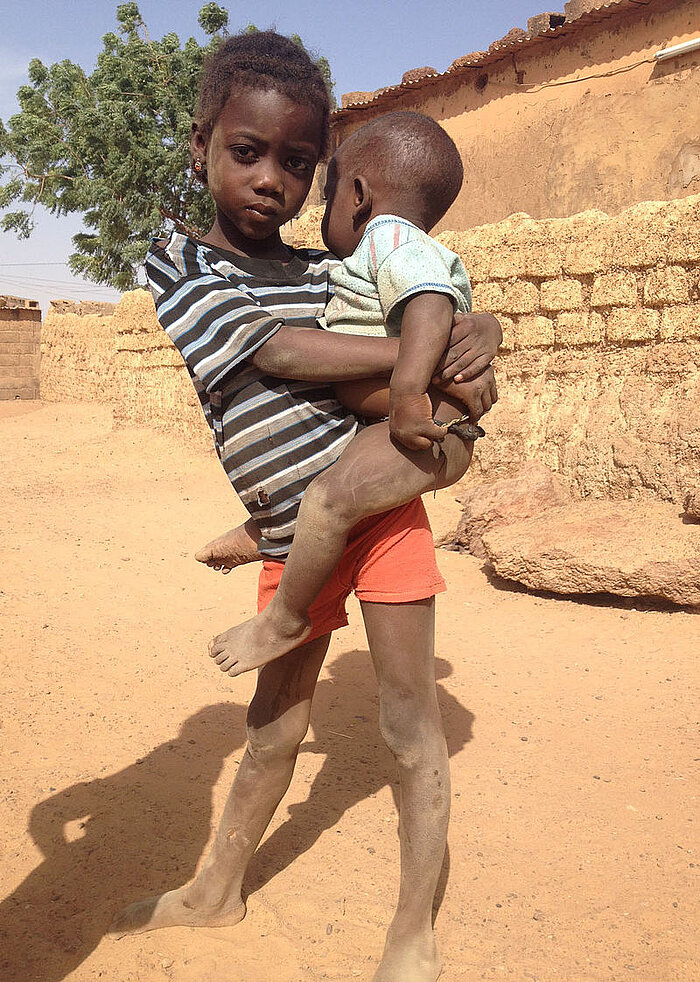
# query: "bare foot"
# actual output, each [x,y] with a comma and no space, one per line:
[258,641]
[174,909]
[409,960]
[234,548]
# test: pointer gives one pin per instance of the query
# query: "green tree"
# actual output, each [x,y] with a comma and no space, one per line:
[112,145]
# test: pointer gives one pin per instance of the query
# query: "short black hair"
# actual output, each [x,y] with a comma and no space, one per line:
[261,60]
[414,155]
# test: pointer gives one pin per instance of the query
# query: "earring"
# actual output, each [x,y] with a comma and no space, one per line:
[198,166]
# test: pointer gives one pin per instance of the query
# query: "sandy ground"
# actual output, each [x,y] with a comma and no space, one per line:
[571,728]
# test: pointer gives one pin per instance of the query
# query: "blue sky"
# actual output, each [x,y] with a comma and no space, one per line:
[369,45]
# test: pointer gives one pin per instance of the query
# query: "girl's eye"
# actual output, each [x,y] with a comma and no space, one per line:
[245,154]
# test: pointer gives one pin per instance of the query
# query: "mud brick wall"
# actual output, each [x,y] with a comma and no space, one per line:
[599,375]
[77,352]
[20,341]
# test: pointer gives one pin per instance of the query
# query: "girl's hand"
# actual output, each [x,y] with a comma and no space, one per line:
[411,421]
[473,345]
[477,394]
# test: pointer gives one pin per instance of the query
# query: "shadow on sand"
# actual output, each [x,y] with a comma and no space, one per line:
[109,841]
[142,830]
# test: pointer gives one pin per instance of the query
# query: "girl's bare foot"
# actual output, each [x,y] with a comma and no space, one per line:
[234,548]
[409,959]
[174,909]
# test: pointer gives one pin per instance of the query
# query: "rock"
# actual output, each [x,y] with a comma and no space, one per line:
[469,59]
[414,74]
[628,548]
[514,34]
[692,504]
[532,490]
[354,98]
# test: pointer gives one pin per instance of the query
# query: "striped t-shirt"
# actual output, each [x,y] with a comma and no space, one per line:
[273,436]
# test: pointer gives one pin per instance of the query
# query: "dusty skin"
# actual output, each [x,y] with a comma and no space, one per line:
[569,726]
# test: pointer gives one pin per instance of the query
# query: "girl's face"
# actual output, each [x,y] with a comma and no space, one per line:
[260,161]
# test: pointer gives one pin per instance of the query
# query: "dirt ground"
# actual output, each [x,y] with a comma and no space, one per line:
[572,730]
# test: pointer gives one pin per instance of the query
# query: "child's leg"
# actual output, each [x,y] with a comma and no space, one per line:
[278,719]
[401,641]
[373,475]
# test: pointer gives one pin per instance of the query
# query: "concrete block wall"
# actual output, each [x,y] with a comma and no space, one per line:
[20,349]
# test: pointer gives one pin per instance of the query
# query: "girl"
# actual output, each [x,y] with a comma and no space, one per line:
[235,304]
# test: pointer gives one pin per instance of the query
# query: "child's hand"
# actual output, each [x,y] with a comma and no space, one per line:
[411,421]
[477,395]
[473,344]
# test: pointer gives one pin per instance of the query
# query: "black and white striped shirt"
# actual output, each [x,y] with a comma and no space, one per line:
[273,436]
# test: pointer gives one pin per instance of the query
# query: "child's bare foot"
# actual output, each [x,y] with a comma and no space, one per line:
[409,959]
[258,641]
[177,908]
[234,548]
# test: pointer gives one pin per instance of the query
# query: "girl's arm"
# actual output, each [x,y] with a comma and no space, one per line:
[310,355]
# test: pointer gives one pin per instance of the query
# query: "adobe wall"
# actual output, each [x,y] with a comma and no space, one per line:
[20,340]
[600,371]
[593,123]
[599,375]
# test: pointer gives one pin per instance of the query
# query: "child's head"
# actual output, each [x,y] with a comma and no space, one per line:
[401,164]
[260,127]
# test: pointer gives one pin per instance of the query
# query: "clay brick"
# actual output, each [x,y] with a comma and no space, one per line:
[575,8]
[579,328]
[505,264]
[534,332]
[8,336]
[540,260]
[543,22]
[614,290]
[632,325]
[666,286]
[678,323]
[588,254]
[11,348]
[683,242]
[508,328]
[489,297]
[636,246]
[520,298]
[15,373]
[561,295]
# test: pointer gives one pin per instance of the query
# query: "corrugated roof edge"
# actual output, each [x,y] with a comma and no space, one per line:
[591,17]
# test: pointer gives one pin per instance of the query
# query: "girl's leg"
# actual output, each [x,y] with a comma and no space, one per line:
[278,719]
[372,476]
[401,641]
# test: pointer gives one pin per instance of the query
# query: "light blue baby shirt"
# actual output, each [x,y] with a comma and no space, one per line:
[393,262]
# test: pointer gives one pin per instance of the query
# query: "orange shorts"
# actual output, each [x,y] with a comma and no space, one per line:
[389,559]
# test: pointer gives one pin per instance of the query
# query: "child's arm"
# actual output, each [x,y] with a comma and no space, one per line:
[309,355]
[425,330]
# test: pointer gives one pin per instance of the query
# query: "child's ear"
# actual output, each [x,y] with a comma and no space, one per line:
[362,199]
[198,153]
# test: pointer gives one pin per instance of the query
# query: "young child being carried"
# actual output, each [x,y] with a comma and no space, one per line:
[387,186]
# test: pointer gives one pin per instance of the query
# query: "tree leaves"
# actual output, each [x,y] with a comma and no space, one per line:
[112,145]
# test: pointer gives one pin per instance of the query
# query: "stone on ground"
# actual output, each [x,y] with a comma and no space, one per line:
[532,490]
[628,548]
[692,504]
